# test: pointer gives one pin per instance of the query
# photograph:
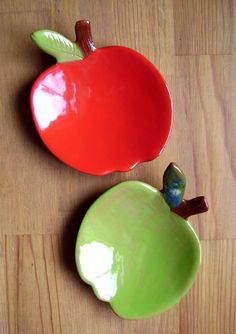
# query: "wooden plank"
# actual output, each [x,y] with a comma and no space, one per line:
[202,140]
[4,303]
[18,6]
[210,306]
[31,287]
[167,323]
[204,27]
[192,43]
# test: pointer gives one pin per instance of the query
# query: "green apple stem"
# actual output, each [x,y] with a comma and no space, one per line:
[84,37]
[191,207]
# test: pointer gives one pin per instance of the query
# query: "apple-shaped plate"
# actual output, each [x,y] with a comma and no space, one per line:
[99,110]
[136,248]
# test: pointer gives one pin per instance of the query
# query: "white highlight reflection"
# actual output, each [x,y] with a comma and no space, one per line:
[96,262]
[49,101]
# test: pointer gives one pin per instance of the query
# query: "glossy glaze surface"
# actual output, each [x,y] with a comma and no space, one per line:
[135,253]
[174,183]
[104,113]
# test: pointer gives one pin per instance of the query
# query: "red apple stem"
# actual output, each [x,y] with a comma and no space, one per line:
[84,37]
[191,207]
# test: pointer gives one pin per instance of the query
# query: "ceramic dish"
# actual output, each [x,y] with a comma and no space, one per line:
[136,248]
[99,110]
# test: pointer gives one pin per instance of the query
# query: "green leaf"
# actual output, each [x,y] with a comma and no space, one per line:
[57,45]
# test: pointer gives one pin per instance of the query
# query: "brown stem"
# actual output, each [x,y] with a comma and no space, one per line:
[84,37]
[191,207]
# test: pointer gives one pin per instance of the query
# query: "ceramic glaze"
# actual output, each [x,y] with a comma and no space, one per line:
[104,112]
[135,252]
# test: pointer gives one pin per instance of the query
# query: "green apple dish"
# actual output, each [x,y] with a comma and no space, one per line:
[136,248]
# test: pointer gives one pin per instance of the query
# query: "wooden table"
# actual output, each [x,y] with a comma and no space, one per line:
[42,201]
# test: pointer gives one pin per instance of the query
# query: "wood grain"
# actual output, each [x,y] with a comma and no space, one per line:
[42,201]
[31,284]
[212,299]
[204,27]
